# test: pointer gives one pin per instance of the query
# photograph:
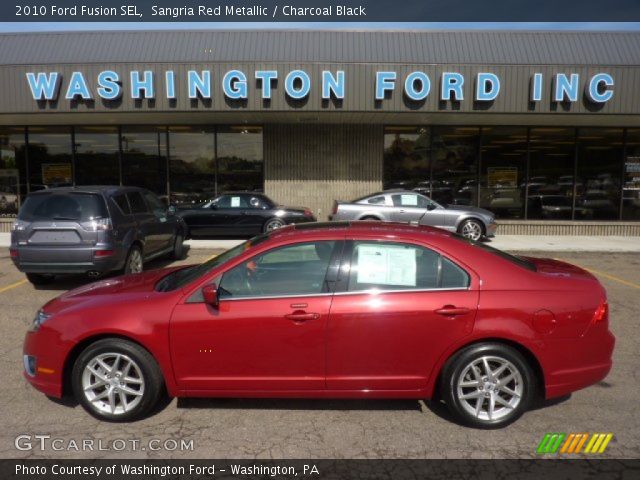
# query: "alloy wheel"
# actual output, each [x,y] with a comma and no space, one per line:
[490,388]
[273,225]
[472,230]
[113,383]
[135,261]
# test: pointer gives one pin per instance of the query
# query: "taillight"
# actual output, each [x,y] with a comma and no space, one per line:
[602,313]
[97,225]
[103,253]
[13,252]
[308,213]
[335,208]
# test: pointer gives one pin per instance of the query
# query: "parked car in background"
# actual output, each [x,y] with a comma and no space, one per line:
[411,207]
[555,207]
[336,310]
[92,230]
[240,214]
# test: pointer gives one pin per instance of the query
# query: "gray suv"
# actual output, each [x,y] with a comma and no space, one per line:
[92,230]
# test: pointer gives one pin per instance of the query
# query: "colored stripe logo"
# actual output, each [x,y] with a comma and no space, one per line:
[574,443]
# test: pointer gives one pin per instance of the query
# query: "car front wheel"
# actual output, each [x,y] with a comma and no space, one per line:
[488,385]
[471,229]
[178,247]
[134,262]
[116,380]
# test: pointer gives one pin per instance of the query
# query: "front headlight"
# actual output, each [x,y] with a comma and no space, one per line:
[40,318]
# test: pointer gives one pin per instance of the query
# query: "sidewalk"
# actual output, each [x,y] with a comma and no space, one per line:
[524,243]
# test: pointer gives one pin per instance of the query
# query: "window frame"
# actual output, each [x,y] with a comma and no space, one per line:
[344,271]
[330,276]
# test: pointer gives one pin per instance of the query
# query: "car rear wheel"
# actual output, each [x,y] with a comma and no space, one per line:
[178,247]
[116,380]
[471,229]
[488,385]
[40,278]
[273,224]
[134,262]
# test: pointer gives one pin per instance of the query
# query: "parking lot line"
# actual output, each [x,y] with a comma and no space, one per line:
[13,285]
[606,275]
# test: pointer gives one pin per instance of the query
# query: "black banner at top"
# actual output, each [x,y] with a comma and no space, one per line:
[351,11]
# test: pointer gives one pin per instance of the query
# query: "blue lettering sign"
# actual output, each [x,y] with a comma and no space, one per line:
[77,87]
[487,87]
[170,84]
[452,83]
[410,86]
[142,85]
[234,84]
[598,90]
[305,84]
[385,81]
[199,84]
[108,86]
[536,87]
[266,77]
[566,89]
[331,84]
[44,87]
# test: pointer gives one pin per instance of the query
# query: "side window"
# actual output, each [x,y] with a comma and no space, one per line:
[399,266]
[377,200]
[405,200]
[232,201]
[255,202]
[122,203]
[157,207]
[292,270]
[137,203]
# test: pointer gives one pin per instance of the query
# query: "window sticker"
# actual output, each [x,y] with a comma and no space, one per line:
[387,265]
[409,200]
[235,202]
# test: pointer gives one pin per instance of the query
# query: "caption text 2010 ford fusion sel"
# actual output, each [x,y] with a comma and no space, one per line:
[338,310]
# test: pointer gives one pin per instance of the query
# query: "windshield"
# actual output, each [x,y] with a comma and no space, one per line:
[180,278]
[519,261]
[73,206]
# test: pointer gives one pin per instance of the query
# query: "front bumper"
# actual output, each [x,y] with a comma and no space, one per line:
[491,229]
[48,353]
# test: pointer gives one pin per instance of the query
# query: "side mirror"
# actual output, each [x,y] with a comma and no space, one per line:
[210,295]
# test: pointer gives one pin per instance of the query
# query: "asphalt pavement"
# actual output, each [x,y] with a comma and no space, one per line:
[244,428]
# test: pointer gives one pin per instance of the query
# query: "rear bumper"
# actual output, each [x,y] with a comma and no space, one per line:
[61,260]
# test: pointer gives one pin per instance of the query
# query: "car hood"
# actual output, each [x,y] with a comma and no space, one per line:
[469,209]
[125,284]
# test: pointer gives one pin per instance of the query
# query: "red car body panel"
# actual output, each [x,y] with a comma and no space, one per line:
[388,344]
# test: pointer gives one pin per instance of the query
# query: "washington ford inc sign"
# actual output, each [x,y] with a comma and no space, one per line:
[416,86]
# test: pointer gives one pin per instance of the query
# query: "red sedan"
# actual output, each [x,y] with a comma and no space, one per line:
[339,310]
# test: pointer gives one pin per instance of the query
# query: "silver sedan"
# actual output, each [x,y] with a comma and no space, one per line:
[411,207]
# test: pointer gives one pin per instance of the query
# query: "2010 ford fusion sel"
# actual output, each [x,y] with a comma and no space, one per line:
[335,310]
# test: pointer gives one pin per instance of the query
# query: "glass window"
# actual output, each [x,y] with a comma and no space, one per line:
[396,266]
[503,170]
[599,166]
[123,203]
[13,181]
[63,206]
[240,159]
[97,156]
[631,186]
[380,200]
[137,203]
[409,200]
[552,155]
[406,158]
[144,158]
[455,165]
[154,203]
[232,201]
[49,157]
[292,270]
[192,165]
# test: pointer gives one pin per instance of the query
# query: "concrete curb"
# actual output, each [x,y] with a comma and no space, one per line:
[524,243]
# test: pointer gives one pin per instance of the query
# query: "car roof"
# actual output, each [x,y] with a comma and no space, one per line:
[104,189]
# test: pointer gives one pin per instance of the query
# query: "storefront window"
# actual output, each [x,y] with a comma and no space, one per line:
[191,164]
[551,175]
[503,170]
[240,159]
[406,159]
[455,165]
[144,160]
[599,166]
[97,156]
[49,157]
[12,170]
[631,185]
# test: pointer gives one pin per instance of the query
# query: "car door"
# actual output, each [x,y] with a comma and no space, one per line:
[147,223]
[268,330]
[407,207]
[255,214]
[397,307]
[165,227]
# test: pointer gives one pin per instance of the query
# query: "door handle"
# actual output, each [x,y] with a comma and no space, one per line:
[451,311]
[302,316]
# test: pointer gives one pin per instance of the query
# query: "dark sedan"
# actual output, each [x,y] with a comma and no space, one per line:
[240,213]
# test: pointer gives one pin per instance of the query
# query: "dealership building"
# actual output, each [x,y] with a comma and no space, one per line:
[543,128]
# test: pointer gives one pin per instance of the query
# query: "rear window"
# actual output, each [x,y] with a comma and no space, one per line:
[519,261]
[74,206]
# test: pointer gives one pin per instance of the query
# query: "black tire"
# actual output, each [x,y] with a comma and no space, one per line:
[40,278]
[178,247]
[272,224]
[129,267]
[153,386]
[472,229]
[458,370]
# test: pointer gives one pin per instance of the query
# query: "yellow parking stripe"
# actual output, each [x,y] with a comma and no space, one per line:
[606,275]
[13,285]
[605,443]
